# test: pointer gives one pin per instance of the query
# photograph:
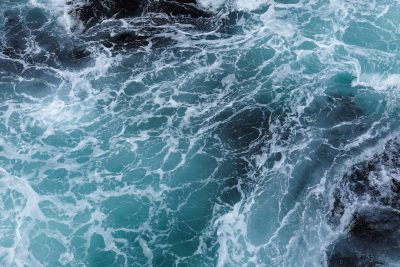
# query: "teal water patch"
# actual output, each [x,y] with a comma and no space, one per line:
[222,145]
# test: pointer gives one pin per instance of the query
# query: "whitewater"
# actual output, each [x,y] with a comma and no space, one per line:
[208,133]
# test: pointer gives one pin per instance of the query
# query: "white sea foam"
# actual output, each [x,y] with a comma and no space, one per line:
[380,82]
[212,4]
[59,10]
[146,251]
[247,5]
[21,215]
[231,231]
[250,4]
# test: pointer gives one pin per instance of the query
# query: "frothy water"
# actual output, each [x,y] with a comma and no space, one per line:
[247,133]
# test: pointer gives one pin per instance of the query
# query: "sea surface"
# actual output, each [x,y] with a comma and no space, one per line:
[264,134]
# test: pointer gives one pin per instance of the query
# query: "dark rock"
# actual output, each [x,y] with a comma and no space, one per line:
[349,257]
[395,186]
[178,8]
[374,231]
[79,53]
[94,11]
[373,240]
[337,210]
[127,39]
[15,34]
[373,224]
[70,57]
[229,23]
[359,182]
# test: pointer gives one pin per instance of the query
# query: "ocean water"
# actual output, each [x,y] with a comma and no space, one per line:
[263,135]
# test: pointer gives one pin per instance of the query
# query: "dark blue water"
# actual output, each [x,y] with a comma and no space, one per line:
[250,133]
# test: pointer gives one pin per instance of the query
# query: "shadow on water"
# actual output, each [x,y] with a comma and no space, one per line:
[241,131]
[216,178]
[337,118]
[243,135]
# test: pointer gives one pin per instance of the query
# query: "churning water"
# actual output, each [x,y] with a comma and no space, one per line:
[252,133]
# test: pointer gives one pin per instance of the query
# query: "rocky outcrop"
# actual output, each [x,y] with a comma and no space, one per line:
[91,12]
[371,193]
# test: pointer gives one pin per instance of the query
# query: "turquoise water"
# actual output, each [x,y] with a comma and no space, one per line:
[225,142]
